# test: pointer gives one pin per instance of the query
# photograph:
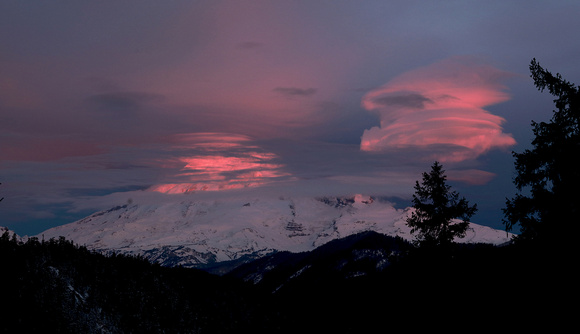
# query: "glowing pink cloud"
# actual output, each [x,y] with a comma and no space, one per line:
[221,161]
[440,106]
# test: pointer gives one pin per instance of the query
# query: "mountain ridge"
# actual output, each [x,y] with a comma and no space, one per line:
[188,232]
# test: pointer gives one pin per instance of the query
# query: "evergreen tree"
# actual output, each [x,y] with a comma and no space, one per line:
[548,211]
[435,208]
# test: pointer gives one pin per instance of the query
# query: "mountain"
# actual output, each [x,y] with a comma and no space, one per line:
[9,234]
[363,254]
[223,233]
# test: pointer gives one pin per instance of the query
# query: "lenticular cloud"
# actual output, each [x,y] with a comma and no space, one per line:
[440,108]
[220,161]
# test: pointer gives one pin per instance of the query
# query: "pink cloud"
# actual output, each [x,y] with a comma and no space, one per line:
[441,106]
[220,161]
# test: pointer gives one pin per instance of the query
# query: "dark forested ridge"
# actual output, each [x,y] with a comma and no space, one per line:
[56,286]
[369,279]
[350,285]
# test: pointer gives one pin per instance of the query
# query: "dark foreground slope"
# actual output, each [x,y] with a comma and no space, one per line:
[364,283]
[55,286]
[370,282]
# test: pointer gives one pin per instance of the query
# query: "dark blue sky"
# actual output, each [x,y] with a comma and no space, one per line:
[105,101]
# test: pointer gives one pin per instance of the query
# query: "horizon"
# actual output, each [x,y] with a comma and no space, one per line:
[104,103]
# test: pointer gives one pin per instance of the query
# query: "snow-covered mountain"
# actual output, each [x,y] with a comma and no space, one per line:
[200,233]
[6,232]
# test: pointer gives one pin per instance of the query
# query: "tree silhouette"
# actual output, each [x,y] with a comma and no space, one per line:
[548,172]
[435,208]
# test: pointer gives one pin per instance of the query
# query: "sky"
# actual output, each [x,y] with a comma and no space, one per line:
[106,102]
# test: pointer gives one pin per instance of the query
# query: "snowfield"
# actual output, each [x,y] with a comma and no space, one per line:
[189,232]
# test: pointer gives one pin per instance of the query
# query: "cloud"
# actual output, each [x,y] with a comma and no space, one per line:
[122,101]
[295,92]
[219,161]
[440,107]
[409,100]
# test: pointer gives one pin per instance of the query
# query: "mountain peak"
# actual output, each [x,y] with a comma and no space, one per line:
[194,232]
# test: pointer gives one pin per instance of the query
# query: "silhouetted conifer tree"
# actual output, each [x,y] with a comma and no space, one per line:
[435,208]
[549,172]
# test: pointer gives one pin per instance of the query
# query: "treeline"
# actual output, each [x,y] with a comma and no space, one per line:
[369,281]
[58,287]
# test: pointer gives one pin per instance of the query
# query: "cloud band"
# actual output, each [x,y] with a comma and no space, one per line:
[441,106]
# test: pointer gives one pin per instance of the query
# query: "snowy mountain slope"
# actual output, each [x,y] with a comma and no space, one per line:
[8,233]
[197,233]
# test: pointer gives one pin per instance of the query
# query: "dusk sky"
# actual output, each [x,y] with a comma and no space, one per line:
[104,102]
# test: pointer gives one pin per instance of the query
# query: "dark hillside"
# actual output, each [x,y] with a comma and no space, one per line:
[55,286]
[353,285]
[340,260]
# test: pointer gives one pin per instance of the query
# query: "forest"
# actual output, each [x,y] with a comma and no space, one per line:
[56,286]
